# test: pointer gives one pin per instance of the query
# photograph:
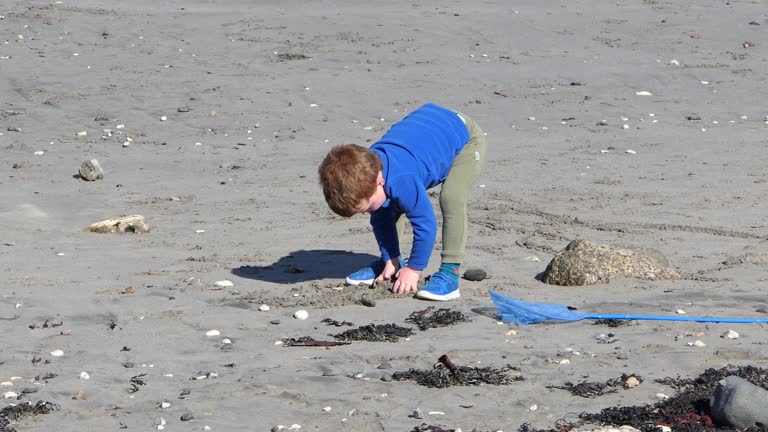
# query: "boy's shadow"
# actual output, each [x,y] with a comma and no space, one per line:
[306,265]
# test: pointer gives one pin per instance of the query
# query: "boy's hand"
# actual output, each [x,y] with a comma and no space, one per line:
[390,269]
[407,281]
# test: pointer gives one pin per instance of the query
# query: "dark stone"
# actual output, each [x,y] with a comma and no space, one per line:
[475,274]
[187,417]
[739,403]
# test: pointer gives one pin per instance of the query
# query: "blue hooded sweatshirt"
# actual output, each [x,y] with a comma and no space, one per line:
[417,153]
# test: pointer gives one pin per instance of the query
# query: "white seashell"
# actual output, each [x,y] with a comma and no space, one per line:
[436,413]
[531,118]
[163,118]
[199,231]
[511,333]
[301,314]
[6,383]
[264,308]
[278,342]
[644,93]
[533,408]
[631,152]
[605,151]
[697,343]
[126,144]
[674,62]
[57,353]
[680,312]
[565,361]
[730,334]
[39,152]
[705,82]
[10,395]
[84,376]
[626,126]
[165,405]
[224,283]
[295,427]
[82,133]
[212,333]
[327,409]
[226,341]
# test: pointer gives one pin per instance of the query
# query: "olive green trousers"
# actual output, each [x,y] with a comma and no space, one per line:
[453,196]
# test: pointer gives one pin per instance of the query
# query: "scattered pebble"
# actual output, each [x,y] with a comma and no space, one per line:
[264,308]
[531,118]
[301,314]
[327,409]
[212,333]
[697,343]
[631,382]
[680,312]
[417,414]
[224,284]
[39,152]
[84,376]
[10,395]
[165,404]
[163,118]
[57,353]
[644,93]
[631,152]
[533,408]
[187,417]
[82,133]
[90,170]
[730,334]
[436,413]
[674,62]
[662,396]
[226,341]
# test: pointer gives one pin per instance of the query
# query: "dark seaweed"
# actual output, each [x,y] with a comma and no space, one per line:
[431,318]
[375,333]
[595,389]
[15,413]
[441,377]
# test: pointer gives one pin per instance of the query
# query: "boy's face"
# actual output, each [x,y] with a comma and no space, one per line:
[376,200]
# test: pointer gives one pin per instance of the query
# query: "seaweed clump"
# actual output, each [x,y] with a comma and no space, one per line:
[17,412]
[440,377]
[431,318]
[375,333]
[687,411]
[594,389]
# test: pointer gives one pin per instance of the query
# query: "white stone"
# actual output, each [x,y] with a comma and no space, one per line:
[531,118]
[730,334]
[295,426]
[301,314]
[436,413]
[224,283]
[163,118]
[120,126]
[57,353]
[126,144]
[626,126]
[698,343]
[165,405]
[10,395]
[644,93]
[674,62]
[327,409]
[533,408]
[631,152]
[226,341]
[564,361]
[278,342]
[82,133]
[264,308]
[680,312]
[6,383]
[84,376]
[212,333]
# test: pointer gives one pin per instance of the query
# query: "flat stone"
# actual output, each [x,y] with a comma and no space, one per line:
[120,224]
[187,417]
[586,263]
[90,170]
[739,403]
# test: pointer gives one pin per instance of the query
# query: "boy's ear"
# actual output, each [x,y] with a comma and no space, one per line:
[380,179]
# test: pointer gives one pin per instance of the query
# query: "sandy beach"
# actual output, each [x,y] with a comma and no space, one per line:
[637,123]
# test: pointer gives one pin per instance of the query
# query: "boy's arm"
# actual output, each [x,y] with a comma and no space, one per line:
[385,231]
[414,202]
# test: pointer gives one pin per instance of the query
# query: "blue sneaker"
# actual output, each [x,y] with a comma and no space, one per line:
[439,288]
[368,274]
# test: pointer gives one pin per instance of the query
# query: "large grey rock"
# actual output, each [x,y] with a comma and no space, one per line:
[586,263]
[90,170]
[739,403]
[121,224]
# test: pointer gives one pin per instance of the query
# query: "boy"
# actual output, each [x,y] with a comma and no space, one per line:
[430,146]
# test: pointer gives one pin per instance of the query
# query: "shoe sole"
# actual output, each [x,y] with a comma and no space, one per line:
[437,297]
[356,282]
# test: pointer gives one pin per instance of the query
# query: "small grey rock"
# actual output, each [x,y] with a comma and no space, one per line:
[227,347]
[475,274]
[275,322]
[185,393]
[417,414]
[129,365]
[90,170]
[365,301]
[739,403]
[386,378]
[384,365]
[187,417]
